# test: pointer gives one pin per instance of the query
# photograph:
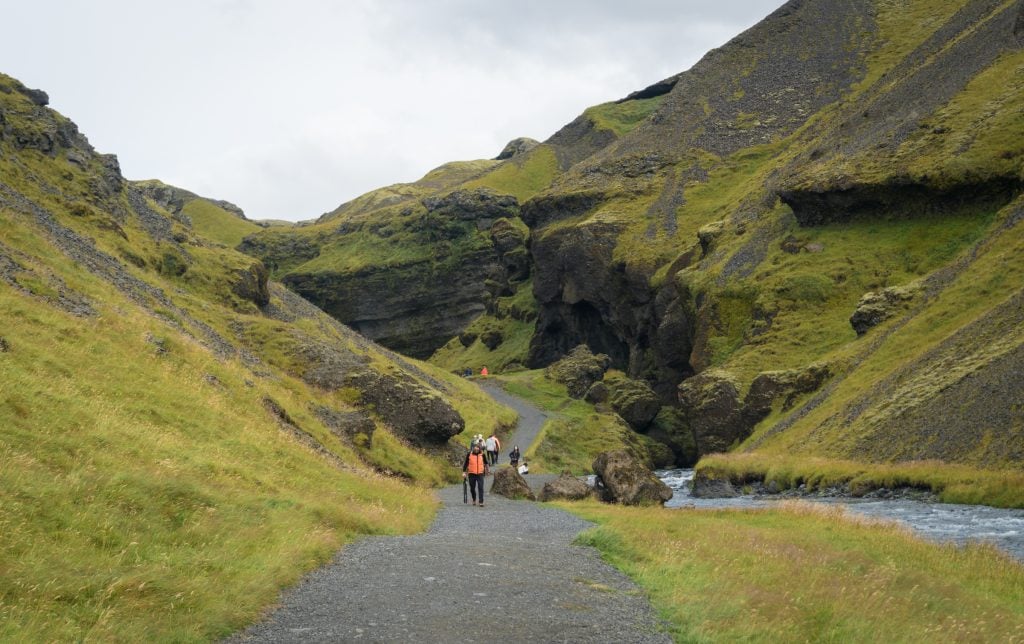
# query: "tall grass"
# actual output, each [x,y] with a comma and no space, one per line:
[954,483]
[146,494]
[807,573]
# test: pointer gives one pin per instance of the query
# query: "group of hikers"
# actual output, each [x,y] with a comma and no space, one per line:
[468,373]
[483,454]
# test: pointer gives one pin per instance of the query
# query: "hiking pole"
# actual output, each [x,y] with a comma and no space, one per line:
[465,491]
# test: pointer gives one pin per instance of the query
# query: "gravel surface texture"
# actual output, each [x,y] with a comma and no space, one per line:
[507,571]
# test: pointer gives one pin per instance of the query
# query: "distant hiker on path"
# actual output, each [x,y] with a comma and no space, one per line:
[484,372]
[493,449]
[524,468]
[475,469]
[513,456]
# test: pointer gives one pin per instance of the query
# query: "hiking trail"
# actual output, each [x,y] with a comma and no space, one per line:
[507,571]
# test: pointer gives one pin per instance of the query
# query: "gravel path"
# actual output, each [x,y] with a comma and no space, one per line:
[531,419]
[507,571]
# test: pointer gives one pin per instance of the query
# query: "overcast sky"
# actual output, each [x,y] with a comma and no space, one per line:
[289,109]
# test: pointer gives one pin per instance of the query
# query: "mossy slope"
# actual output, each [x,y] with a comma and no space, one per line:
[738,227]
[179,438]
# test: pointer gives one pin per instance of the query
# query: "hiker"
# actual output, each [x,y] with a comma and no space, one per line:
[493,449]
[513,457]
[475,469]
[483,372]
[524,468]
[478,441]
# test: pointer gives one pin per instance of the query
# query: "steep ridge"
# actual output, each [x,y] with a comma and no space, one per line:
[179,436]
[748,237]
[734,233]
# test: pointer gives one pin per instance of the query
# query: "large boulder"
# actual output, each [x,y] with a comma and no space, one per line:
[875,308]
[769,386]
[623,479]
[566,487]
[251,283]
[509,483]
[579,370]
[412,410]
[711,405]
[634,401]
[472,205]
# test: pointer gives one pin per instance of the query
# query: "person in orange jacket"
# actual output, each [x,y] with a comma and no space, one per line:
[475,469]
[484,372]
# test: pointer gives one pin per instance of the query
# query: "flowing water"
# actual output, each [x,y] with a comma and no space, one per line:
[935,521]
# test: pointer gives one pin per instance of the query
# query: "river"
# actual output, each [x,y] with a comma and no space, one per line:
[934,521]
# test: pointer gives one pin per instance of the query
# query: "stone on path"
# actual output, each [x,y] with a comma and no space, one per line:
[566,487]
[510,484]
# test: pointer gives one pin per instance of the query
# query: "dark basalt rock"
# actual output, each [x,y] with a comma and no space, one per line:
[598,393]
[875,308]
[711,404]
[566,487]
[491,338]
[819,205]
[473,204]
[623,479]
[579,370]
[546,209]
[37,96]
[413,411]
[634,401]
[712,489]
[509,483]
[769,386]
[347,425]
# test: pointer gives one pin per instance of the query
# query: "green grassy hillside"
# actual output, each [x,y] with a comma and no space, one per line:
[179,438]
[758,224]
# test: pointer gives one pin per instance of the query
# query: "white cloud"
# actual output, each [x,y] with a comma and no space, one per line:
[289,109]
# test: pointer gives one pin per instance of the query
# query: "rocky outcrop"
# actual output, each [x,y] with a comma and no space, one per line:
[250,284]
[634,401]
[875,308]
[623,479]
[414,411]
[464,251]
[719,419]
[413,309]
[509,483]
[565,488]
[579,370]
[823,204]
[355,427]
[480,205]
[173,199]
[713,409]
[515,147]
[770,386]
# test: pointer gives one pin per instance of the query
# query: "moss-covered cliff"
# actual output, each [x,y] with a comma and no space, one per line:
[835,149]
[768,221]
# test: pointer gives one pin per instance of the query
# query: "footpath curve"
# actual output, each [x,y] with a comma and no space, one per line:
[505,571]
[531,419]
